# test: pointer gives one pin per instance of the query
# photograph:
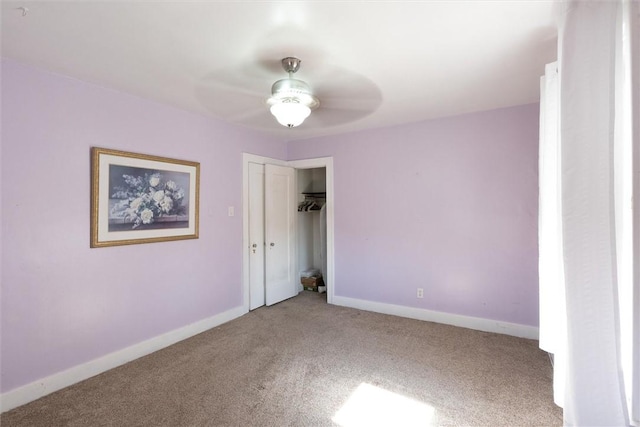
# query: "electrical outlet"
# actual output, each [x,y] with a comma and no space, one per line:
[420,293]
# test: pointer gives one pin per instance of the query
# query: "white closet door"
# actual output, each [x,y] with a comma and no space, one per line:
[280,249]
[256,236]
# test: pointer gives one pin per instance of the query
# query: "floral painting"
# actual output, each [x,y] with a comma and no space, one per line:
[147,198]
[139,198]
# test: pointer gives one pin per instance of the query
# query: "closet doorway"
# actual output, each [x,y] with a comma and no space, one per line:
[271,273]
[312,228]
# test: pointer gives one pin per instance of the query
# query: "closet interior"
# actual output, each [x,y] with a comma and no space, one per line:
[312,228]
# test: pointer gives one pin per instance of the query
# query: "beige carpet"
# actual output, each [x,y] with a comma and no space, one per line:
[305,363]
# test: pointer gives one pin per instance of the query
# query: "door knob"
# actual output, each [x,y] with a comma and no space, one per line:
[272,244]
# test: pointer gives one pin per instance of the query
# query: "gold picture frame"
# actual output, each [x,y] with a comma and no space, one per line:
[139,198]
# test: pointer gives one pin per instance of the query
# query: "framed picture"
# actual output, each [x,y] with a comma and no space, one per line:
[137,198]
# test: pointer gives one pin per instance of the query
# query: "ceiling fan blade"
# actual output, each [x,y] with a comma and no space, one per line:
[229,93]
[335,116]
[258,118]
[345,97]
[350,104]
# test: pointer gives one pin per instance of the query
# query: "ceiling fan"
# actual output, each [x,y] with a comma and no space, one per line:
[291,99]
[330,95]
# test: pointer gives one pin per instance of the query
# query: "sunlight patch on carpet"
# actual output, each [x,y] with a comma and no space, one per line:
[372,406]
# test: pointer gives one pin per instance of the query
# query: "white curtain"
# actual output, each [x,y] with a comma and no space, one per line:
[553,322]
[586,283]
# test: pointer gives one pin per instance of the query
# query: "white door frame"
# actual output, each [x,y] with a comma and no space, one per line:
[327,163]
[322,162]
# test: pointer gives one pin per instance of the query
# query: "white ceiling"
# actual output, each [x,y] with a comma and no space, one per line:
[372,64]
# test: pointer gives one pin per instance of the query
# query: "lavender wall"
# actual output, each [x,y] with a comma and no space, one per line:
[447,205]
[63,303]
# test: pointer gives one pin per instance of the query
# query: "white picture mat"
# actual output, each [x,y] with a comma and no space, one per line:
[103,199]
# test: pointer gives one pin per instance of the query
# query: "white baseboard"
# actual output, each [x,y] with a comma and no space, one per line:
[476,323]
[37,389]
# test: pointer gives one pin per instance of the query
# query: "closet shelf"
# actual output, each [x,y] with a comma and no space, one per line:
[319,194]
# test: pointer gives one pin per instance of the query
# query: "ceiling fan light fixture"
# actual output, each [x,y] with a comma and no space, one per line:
[291,99]
[290,113]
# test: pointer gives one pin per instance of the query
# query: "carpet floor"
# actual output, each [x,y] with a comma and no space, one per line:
[303,362]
